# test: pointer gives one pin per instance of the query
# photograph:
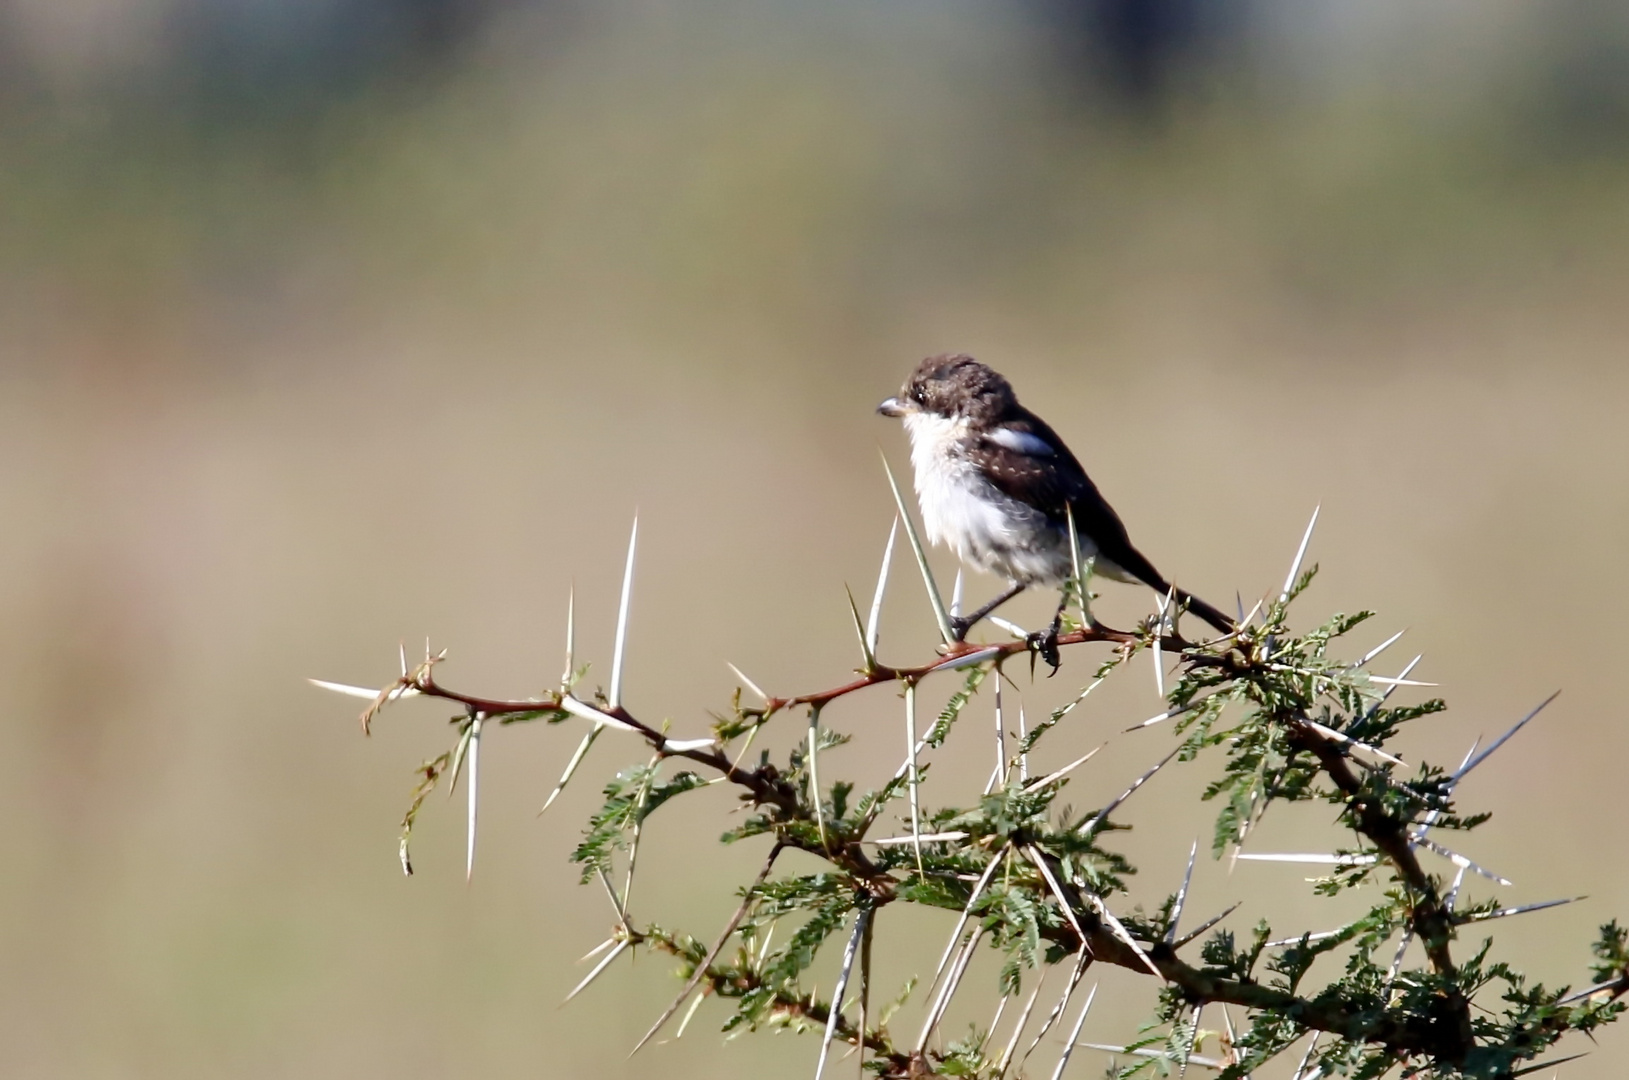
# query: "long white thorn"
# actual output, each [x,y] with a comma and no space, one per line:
[1118,929]
[1018,1029]
[814,775]
[995,1021]
[638,829]
[1346,740]
[873,625]
[1159,642]
[614,695]
[1300,554]
[1432,817]
[571,766]
[1387,680]
[596,950]
[967,912]
[1321,935]
[911,778]
[998,776]
[926,838]
[571,638]
[684,1022]
[1039,860]
[1311,858]
[1054,777]
[1169,714]
[865,1000]
[1501,740]
[967,659]
[1301,1068]
[934,598]
[474,792]
[942,1002]
[1453,891]
[1193,1042]
[1103,814]
[1182,895]
[1231,1057]
[763,946]
[1083,571]
[1461,861]
[1008,625]
[601,966]
[1380,648]
[1396,966]
[746,682]
[904,769]
[1391,689]
[1074,1034]
[578,707]
[836,1012]
[868,661]
[370,693]
[1590,991]
[1188,938]
[1500,913]
[459,755]
[1082,962]
[956,594]
[1023,737]
[611,895]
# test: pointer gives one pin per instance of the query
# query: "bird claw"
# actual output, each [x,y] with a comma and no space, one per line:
[959,627]
[1044,643]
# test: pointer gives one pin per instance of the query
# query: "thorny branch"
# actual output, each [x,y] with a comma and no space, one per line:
[1448,1038]
[1437,1031]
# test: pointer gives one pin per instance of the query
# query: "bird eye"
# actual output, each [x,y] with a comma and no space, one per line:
[918,396]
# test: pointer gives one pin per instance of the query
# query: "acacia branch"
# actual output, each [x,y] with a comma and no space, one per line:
[765,787]
[1199,986]
[961,654]
[1443,1032]
[1428,912]
[736,982]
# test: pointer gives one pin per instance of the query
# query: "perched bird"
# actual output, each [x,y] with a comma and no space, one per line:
[998,486]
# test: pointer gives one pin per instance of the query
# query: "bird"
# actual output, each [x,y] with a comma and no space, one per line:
[999,487]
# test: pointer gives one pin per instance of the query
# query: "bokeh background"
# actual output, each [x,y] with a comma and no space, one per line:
[331,324]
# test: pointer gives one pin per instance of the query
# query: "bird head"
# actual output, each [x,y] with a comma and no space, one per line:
[952,386]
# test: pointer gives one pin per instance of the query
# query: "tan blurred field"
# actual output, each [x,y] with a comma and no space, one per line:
[276,399]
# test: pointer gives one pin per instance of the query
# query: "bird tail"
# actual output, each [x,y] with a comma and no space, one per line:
[1221,622]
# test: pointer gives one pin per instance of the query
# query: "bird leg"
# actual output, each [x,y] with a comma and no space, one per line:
[961,624]
[1044,643]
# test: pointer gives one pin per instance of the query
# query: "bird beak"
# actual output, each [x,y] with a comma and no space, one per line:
[891,407]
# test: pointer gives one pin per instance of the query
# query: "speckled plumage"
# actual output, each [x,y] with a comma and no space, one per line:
[997,485]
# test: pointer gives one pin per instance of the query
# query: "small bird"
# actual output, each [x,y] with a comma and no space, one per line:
[998,486]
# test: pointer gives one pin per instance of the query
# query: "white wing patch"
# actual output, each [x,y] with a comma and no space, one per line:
[1022,442]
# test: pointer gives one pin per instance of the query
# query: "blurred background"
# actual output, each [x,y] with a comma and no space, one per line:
[330,324]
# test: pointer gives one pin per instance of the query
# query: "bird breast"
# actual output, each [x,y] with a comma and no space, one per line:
[988,529]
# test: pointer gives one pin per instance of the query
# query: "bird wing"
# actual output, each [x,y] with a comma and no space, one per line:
[1025,460]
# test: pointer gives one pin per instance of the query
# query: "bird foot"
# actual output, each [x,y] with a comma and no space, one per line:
[1044,643]
[959,627]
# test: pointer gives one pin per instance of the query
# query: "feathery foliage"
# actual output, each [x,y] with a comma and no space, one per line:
[1280,716]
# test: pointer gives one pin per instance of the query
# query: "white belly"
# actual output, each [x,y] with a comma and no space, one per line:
[986,529]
